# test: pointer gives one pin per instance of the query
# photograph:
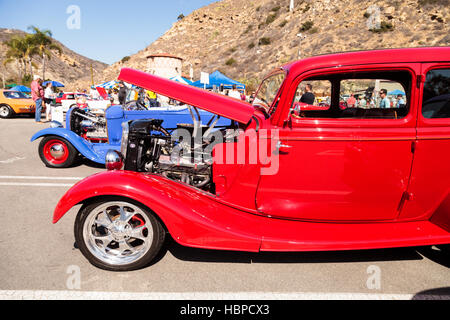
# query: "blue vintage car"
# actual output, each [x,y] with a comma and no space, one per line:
[91,136]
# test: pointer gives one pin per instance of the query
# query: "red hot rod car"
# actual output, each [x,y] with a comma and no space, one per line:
[372,176]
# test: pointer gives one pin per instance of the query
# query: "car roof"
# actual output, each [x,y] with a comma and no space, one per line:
[404,55]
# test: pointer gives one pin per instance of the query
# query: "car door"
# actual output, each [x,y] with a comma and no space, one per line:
[429,191]
[341,166]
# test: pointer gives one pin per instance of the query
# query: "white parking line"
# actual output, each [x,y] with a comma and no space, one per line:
[24,183]
[86,295]
[19,184]
[40,178]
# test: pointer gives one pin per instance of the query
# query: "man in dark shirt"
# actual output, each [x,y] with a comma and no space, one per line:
[308,97]
[122,94]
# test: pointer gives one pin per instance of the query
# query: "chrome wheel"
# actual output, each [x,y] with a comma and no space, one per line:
[118,233]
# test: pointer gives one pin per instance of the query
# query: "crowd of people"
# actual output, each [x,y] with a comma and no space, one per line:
[382,100]
[366,100]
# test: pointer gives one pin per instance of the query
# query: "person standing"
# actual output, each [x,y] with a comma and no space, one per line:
[351,102]
[362,102]
[400,101]
[308,97]
[234,93]
[37,94]
[49,95]
[385,102]
[123,92]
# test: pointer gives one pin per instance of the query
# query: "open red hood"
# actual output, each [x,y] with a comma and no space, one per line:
[227,107]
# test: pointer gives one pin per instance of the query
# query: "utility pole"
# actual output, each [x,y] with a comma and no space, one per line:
[92,75]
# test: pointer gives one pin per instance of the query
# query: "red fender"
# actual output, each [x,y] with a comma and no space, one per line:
[193,218]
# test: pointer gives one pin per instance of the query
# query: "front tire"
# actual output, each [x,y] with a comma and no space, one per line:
[57,152]
[118,235]
[6,111]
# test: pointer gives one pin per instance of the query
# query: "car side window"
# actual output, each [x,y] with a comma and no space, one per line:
[436,94]
[356,95]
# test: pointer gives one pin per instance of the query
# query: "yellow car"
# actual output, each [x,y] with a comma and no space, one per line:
[14,102]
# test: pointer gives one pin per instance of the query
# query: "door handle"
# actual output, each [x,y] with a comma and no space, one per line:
[283,147]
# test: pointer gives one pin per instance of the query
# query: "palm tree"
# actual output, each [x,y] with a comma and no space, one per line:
[44,45]
[16,52]
[30,50]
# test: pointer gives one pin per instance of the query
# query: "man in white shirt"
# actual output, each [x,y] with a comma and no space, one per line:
[49,95]
[235,93]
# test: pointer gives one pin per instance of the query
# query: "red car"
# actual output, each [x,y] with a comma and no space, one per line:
[330,179]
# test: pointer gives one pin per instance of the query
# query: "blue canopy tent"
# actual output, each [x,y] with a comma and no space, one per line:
[108,85]
[54,84]
[21,89]
[181,80]
[396,92]
[217,79]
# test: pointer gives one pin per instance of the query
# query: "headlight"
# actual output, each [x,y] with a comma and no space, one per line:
[124,142]
[113,160]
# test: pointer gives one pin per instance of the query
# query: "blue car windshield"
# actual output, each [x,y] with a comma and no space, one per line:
[15,95]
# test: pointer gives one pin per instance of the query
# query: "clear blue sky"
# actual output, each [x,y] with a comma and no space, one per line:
[109,29]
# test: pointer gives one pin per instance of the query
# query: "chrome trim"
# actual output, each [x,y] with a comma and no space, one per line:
[124,141]
[56,124]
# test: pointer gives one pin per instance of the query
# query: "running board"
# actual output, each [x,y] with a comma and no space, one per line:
[304,236]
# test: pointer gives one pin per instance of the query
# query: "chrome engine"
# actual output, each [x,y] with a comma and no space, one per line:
[88,125]
[183,155]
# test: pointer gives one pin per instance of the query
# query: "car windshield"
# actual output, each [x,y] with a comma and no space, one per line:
[268,90]
[15,95]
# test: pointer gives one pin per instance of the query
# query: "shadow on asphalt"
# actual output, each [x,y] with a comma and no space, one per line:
[391,254]
[433,294]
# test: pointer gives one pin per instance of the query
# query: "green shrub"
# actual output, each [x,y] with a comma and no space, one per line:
[283,23]
[230,62]
[366,15]
[125,59]
[275,9]
[271,18]
[251,45]
[264,41]
[384,27]
[249,28]
[306,26]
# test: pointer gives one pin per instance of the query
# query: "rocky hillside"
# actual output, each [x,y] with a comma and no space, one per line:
[246,38]
[66,68]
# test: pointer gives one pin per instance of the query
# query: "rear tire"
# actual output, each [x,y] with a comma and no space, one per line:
[6,111]
[118,235]
[57,152]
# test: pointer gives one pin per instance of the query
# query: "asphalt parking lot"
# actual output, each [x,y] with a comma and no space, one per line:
[37,255]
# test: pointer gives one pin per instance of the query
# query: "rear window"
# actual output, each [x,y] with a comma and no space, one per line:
[436,94]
